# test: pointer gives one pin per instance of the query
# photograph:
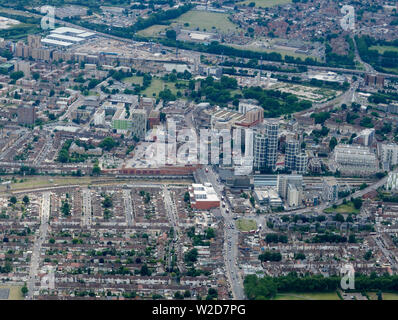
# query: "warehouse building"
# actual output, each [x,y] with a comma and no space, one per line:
[203,196]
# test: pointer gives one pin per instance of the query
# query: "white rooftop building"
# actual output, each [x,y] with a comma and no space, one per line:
[355,159]
[392,181]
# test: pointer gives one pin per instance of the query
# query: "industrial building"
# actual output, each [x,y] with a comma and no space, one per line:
[267,197]
[203,196]
[66,37]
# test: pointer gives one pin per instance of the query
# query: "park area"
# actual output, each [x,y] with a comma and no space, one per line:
[246,225]
[382,49]
[343,209]
[156,86]
[307,296]
[197,21]
[10,292]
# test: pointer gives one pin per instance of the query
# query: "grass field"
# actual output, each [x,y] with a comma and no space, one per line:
[392,70]
[385,295]
[266,3]
[205,21]
[134,80]
[246,225]
[15,292]
[152,31]
[283,53]
[307,296]
[156,86]
[195,20]
[382,49]
[343,208]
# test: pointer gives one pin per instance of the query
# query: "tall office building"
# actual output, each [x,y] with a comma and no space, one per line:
[272,129]
[260,151]
[301,163]
[291,152]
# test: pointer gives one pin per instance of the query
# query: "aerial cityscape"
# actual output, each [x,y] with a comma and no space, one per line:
[198,150]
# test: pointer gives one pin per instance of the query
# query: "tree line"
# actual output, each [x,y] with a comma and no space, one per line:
[267,287]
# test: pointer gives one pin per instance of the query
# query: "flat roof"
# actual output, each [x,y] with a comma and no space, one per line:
[63,37]
[205,192]
[57,42]
[67,29]
[86,34]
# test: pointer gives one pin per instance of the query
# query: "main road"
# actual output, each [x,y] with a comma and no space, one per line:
[39,239]
[230,251]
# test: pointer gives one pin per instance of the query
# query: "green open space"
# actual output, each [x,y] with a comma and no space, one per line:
[382,49]
[343,208]
[254,48]
[153,31]
[134,80]
[266,3]
[195,20]
[156,86]
[246,224]
[307,296]
[206,21]
[15,292]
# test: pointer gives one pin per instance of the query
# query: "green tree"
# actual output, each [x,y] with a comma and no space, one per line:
[191,256]
[17,75]
[108,143]
[187,294]
[212,294]
[368,255]
[186,196]
[25,199]
[145,271]
[96,170]
[171,34]
[332,143]
[24,290]
[357,203]
[107,202]
[65,208]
